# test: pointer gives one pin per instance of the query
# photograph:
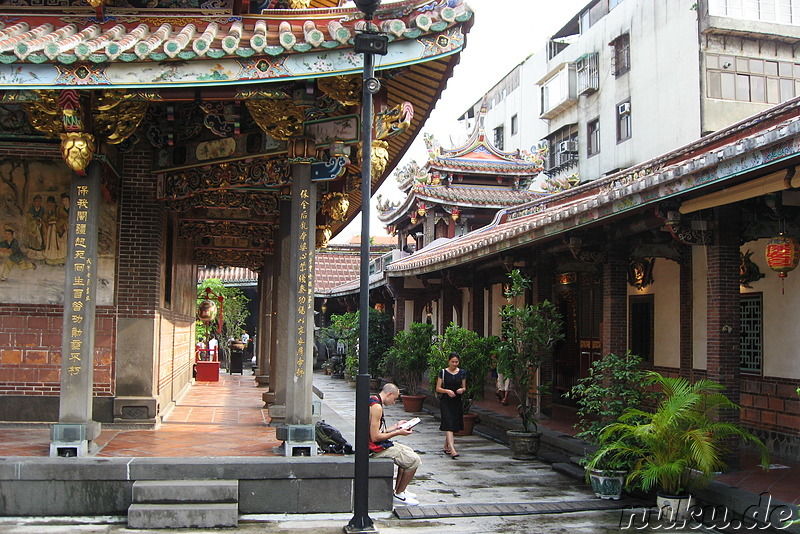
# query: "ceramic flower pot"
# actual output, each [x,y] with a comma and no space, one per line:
[469,424]
[673,508]
[607,484]
[413,403]
[524,445]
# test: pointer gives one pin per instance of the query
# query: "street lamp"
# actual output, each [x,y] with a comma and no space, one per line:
[368,42]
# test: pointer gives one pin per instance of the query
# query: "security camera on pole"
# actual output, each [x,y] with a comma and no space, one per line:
[367,42]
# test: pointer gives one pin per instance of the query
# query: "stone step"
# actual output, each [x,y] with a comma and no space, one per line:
[571,470]
[185,491]
[174,515]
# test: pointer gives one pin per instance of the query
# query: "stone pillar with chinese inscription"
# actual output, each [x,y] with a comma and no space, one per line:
[300,352]
[280,336]
[75,431]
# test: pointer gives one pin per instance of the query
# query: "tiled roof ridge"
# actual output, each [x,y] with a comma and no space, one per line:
[127,37]
[429,193]
[618,193]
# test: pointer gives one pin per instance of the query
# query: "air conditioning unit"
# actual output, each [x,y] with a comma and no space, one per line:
[567,146]
[624,108]
[565,158]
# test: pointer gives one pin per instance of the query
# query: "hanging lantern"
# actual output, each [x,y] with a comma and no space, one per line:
[422,209]
[413,220]
[207,311]
[783,254]
[455,213]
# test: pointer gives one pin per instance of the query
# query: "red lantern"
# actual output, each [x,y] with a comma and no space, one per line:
[455,213]
[783,255]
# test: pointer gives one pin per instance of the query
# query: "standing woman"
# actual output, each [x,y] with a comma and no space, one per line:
[451,384]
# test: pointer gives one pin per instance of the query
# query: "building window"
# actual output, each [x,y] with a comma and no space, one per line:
[621,58]
[623,121]
[751,334]
[747,79]
[593,138]
[514,125]
[641,326]
[563,148]
[498,138]
[588,75]
[780,11]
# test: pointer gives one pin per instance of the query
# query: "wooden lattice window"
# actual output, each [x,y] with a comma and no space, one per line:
[752,325]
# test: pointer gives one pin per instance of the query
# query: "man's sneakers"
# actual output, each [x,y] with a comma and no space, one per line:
[405,499]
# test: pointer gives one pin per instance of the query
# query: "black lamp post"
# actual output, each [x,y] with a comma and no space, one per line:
[367,42]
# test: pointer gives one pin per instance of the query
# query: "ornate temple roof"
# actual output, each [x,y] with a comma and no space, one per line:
[132,48]
[476,174]
[757,143]
[220,95]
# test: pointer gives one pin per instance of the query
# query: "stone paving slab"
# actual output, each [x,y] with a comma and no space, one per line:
[477,510]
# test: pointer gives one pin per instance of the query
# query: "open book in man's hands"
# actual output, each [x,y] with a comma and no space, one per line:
[410,423]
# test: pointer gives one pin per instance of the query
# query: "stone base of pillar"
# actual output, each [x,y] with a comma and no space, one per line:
[277,414]
[262,380]
[136,410]
[268,398]
[74,439]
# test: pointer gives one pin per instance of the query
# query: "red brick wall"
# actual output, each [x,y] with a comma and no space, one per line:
[140,241]
[771,403]
[30,350]
[615,303]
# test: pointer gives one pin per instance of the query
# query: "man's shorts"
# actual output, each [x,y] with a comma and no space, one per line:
[403,456]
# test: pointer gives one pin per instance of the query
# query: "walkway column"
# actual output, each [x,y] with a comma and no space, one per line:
[723,316]
[75,431]
[276,397]
[300,304]
[541,290]
[265,288]
[476,306]
[615,302]
[686,319]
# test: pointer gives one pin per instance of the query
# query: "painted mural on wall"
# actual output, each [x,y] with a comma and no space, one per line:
[34,217]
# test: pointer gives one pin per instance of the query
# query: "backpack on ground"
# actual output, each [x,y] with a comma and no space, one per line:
[331,440]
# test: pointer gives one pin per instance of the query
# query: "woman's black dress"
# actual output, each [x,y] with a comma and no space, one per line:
[452,412]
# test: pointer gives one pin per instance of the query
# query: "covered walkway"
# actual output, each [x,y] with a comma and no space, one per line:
[227,418]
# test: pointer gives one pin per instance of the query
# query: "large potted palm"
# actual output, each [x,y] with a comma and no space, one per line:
[475,358]
[529,333]
[614,384]
[407,359]
[679,445]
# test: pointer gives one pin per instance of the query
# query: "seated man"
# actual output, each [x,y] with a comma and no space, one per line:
[404,457]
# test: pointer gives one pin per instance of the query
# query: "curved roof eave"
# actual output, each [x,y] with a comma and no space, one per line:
[701,164]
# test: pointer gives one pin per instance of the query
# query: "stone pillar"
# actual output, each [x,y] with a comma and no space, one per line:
[265,289]
[615,302]
[541,290]
[276,397]
[476,307]
[447,302]
[75,431]
[397,285]
[686,341]
[299,352]
[723,315]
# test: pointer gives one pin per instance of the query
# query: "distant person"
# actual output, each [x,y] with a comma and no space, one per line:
[213,345]
[381,446]
[245,337]
[451,383]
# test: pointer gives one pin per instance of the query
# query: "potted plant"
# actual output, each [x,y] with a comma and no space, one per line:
[614,384]
[408,359]
[529,333]
[475,353]
[679,445]
[342,334]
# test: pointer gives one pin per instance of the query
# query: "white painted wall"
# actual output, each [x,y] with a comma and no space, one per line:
[781,341]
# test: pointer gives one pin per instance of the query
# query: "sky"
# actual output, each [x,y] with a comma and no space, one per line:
[505,32]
